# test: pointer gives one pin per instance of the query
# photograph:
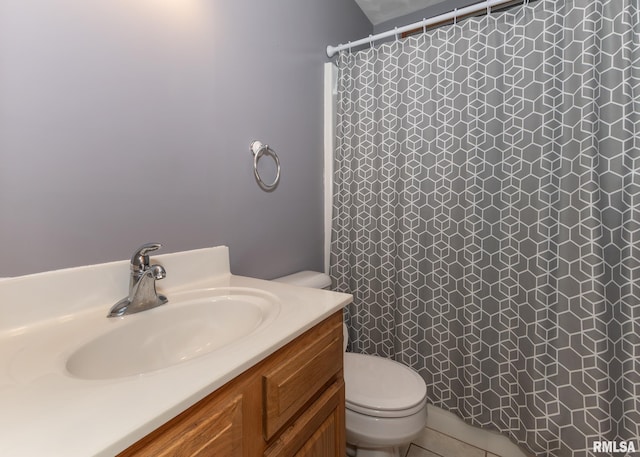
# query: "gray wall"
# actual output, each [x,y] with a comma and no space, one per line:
[123,122]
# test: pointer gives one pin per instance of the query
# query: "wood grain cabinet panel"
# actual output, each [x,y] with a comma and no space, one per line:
[318,432]
[300,375]
[212,428]
[221,435]
[322,442]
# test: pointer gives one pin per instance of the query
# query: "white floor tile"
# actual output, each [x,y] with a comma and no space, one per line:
[446,446]
[417,451]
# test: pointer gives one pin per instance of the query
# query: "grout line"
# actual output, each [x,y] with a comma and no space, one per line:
[424,449]
[460,441]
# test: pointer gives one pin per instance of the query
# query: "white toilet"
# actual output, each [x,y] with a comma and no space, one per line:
[386,402]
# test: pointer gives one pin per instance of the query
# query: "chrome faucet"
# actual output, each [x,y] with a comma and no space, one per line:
[142,284]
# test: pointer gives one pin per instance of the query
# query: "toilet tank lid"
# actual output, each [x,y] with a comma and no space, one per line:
[307,278]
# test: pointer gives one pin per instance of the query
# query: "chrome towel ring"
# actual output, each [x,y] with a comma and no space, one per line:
[258,150]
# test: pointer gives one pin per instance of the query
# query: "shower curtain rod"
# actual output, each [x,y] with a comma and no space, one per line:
[486,5]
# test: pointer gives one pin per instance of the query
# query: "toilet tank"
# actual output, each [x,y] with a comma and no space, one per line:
[307,278]
[315,280]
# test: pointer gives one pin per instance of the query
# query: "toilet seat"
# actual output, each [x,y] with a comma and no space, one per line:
[381,387]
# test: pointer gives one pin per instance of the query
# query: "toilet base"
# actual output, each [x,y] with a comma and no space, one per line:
[368,432]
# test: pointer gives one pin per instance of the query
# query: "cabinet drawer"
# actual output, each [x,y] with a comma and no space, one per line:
[301,374]
[318,432]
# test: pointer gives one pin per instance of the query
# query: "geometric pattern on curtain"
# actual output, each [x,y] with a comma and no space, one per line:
[487,217]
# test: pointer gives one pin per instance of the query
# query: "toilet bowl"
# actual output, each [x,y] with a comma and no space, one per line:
[385,400]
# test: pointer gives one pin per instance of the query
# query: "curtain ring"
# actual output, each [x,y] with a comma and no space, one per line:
[424,25]
[455,16]
[396,32]
[258,150]
[371,41]
[488,10]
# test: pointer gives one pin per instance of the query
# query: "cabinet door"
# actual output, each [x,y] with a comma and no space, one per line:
[318,432]
[220,437]
[323,442]
[213,429]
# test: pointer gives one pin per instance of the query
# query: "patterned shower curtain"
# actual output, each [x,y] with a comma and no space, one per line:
[487,217]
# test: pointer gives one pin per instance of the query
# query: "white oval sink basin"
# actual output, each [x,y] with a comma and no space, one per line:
[191,325]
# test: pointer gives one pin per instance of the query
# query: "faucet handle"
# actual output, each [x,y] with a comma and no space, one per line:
[158,272]
[140,259]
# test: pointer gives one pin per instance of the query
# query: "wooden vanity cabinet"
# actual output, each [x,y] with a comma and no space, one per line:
[289,405]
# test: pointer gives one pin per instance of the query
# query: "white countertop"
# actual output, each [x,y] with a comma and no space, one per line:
[44,411]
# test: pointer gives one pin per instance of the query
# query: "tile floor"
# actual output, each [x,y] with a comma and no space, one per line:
[436,444]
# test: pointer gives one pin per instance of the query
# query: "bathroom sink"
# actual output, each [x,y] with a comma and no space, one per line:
[191,325]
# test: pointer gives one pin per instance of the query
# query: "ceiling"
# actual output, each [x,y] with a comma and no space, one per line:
[379,11]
